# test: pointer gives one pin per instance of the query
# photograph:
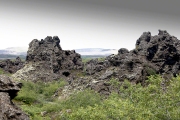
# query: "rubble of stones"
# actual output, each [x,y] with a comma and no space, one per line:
[47,61]
[11,66]
[8,90]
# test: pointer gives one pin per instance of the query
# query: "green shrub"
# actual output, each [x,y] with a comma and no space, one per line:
[49,89]
[101,59]
[82,99]
[114,82]
[28,94]
[39,91]
[155,101]
[37,97]
[1,71]
[135,102]
[84,60]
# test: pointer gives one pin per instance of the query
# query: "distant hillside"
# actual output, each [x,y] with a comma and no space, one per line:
[13,52]
[96,51]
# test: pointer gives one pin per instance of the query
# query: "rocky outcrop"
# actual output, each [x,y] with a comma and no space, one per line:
[11,66]
[47,61]
[157,54]
[93,66]
[8,90]
[161,50]
[153,54]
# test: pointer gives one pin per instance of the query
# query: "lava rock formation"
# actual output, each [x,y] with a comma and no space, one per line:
[47,61]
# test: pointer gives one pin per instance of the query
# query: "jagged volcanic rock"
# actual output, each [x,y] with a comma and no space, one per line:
[8,90]
[47,61]
[157,54]
[161,50]
[11,66]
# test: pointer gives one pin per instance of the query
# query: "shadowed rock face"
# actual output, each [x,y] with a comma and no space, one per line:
[8,90]
[11,66]
[47,61]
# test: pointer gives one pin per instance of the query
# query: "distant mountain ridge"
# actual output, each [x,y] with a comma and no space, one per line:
[96,51]
[83,51]
[14,51]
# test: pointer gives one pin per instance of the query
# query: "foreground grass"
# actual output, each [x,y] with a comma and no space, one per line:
[154,102]
[1,71]
[34,97]
[159,100]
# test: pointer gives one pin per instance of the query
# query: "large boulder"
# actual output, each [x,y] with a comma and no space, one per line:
[8,90]
[47,61]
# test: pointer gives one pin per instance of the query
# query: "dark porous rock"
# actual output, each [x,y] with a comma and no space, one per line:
[46,61]
[163,51]
[101,87]
[152,55]
[123,51]
[8,90]
[7,85]
[11,66]
[107,74]
[157,54]
[93,66]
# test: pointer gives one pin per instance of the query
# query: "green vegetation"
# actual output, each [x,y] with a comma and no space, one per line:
[86,58]
[154,102]
[35,97]
[101,59]
[149,69]
[1,71]
[114,82]
[158,100]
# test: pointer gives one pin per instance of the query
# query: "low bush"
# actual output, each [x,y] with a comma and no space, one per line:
[34,97]
[1,71]
[135,102]
[82,99]
[158,100]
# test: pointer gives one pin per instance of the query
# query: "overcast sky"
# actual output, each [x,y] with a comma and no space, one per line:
[86,23]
